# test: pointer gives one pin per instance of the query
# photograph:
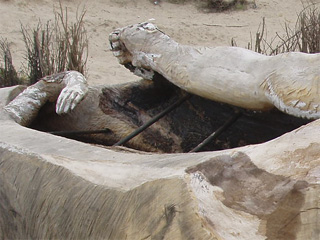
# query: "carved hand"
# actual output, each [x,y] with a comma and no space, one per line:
[135,62]
[68,88]
[75,90]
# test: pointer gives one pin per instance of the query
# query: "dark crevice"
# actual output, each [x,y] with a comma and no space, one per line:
[133,104]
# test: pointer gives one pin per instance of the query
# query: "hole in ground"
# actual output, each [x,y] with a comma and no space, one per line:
[124,108]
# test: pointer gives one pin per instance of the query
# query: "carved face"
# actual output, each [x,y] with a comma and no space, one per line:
[138,35]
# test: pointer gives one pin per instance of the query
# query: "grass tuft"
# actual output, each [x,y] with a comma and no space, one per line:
[56,46]
[304,37]
[8,74]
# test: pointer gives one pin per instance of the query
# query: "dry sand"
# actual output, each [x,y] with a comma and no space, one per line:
[185,23]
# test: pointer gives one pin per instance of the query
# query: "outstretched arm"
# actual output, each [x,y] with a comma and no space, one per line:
[68,88]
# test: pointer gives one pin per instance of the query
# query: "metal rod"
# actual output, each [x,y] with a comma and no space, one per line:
[153,120]
[217,133]
[66,133]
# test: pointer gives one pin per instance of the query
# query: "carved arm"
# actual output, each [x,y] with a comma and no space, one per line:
[68,88]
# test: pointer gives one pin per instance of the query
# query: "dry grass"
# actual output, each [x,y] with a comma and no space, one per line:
[304,37]
[73,41]
[38,52]
[8,74]
[50,48]
[56,47]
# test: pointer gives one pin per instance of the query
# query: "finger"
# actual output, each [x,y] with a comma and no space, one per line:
[114,36]
[68,102]
[115,46]
[118,53]
[114,40]
[62,100]
[76,100]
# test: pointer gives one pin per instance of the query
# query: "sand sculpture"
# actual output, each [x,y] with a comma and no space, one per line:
[67,88]
[237,76]
[56,188]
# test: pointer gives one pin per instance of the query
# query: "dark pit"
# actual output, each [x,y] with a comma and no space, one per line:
[181,130]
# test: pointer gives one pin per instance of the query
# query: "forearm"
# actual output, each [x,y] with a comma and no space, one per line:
[25,107]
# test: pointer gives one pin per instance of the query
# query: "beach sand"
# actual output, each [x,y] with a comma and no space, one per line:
[184,23]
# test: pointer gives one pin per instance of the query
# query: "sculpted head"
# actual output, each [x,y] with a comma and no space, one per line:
[138,36]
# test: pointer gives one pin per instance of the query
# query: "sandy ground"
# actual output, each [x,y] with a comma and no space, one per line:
[185,23]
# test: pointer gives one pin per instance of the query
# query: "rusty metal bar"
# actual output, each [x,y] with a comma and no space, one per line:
[68,133]
[153,120]
[217,133]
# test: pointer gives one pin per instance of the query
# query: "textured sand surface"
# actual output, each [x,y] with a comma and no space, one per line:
[184,23]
